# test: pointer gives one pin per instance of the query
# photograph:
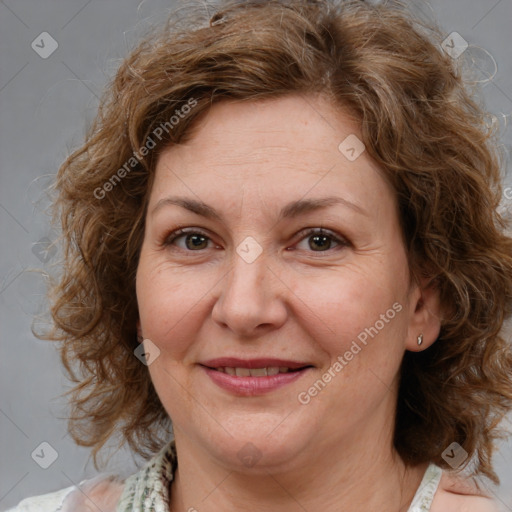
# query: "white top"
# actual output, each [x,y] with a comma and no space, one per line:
[148,490]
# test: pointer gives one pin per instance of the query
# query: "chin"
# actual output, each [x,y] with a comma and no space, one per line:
[261,443]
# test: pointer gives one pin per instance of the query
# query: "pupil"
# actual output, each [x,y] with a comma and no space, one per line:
[316,238]
[197,240]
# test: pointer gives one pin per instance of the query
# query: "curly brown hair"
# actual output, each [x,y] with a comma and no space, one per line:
[418,121]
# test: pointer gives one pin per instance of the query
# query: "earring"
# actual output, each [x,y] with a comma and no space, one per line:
[420,339]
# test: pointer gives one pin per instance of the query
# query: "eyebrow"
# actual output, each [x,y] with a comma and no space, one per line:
[293,209]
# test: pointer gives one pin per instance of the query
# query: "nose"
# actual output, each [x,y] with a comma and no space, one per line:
[251,298]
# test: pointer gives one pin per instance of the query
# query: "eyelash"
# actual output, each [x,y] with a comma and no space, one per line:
[308,232]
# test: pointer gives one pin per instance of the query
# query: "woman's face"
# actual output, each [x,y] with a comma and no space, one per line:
[252,288]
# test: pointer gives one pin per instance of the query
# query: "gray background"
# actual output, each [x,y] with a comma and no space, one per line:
[44,105]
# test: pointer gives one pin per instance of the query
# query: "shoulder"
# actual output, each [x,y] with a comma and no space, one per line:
[100,493]
[456,494]
[51,502]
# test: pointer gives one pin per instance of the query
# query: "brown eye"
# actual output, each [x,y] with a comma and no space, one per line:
[320,240]
[194,240]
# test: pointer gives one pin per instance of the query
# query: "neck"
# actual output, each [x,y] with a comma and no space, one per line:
[354,475]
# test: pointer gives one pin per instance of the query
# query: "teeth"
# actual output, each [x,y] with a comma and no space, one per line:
[258,372]
[254,372]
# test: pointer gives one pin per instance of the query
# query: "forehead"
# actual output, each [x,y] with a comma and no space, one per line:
[301,126]
[289,146]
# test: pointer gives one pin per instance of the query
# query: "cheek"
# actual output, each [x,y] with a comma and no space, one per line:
[360,326]
[169,301]
[360,317]
[346,302]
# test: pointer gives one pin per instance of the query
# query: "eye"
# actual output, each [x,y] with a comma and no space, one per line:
[321,240]
[193,239]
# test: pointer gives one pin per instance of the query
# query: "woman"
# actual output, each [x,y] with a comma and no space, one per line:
[281,233]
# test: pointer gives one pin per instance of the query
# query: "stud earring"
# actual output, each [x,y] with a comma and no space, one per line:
[420,339]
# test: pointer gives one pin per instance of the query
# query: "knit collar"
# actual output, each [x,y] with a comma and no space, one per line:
[148,489]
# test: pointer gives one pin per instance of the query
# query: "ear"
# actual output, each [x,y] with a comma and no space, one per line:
[425,315]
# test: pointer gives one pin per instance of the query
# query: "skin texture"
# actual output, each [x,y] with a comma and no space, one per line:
[248,160]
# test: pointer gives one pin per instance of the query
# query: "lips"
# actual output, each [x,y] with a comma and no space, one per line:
[254,372]
[233,362]
[253,376]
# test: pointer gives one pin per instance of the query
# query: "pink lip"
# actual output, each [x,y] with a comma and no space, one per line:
[234,362]
[251,386]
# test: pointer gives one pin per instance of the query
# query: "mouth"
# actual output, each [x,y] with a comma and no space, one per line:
[256,372]
[260,367]
[254,376]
